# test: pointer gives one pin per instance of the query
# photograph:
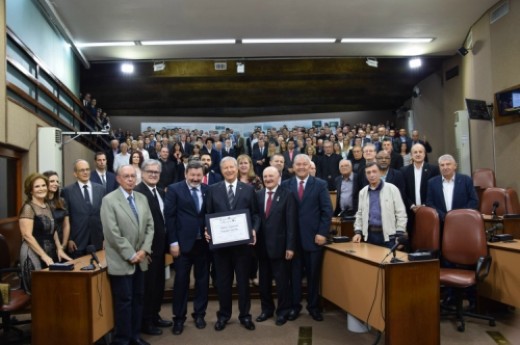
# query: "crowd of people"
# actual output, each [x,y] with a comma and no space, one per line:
[150,194]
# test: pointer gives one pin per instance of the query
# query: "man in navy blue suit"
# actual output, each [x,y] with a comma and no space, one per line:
[314,216]
[184,212]
[450,190]
[228,195]
[210,177]
[101,175]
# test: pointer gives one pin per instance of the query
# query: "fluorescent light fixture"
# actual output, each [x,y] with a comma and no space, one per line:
[387,40]
[105,44]
[241,68]
[415,63]
[187,42]
[287,40]
[159,66]
[127,68]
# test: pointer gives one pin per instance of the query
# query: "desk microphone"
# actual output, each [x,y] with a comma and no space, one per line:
[494,228]
[399,240]
[494,211]
[91,249]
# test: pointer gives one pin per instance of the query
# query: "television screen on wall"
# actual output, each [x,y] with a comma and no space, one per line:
[477,110]
[507,106]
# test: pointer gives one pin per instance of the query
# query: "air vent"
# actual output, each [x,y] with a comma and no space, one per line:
[57,136]
[499,11]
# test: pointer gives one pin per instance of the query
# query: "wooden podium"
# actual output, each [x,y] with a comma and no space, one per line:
[71,307]
[399,299]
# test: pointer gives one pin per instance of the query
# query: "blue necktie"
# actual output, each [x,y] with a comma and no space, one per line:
[132,206]
[195,198]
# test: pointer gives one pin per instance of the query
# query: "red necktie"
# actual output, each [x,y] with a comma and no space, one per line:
[268,204]
[300,190]
[205,179]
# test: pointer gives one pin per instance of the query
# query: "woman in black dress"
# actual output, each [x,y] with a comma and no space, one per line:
[59,211]
[40,243]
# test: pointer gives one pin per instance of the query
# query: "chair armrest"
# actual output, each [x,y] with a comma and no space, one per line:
[483,267]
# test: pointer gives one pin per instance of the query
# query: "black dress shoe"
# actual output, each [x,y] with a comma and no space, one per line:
[263,316]
[293,315]
[316,315]
[200,323]
[281,320]
[178,327]
[248,324]
[220,325]
[150,329]
[139,342]
[162,323]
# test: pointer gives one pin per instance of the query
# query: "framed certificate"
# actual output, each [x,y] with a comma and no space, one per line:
[229,228]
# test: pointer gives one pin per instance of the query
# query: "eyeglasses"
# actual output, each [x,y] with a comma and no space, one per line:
[152,172]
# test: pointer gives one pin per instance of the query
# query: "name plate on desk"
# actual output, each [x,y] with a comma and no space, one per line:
[229,228]
[61,266]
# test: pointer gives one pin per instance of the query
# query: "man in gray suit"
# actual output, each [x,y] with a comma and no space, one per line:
[128,228]
[83,200]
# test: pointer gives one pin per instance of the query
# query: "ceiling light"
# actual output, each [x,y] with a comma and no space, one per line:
[241,68]
[372,62]
[105,44]
[287,40]
[415,63]
[127,68]
[387,40]
[187,42]
[159,66]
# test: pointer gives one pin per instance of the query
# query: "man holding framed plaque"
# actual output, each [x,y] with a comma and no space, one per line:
[231,220]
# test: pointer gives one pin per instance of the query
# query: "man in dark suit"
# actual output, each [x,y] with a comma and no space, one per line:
[450,190]
[289,156]
[389,174]
[402,138]
[228,150]
[423,142]
[259,157]
[111,153]
[154,279]
[215,157]
[314,216]
[225,196]
[185,211]
[396,158]
[327,167]
[128,229]
[186,147]
[416,176]
[275,245]
[101,175]
[278,161]
[346,190]
[168,169]
[83,200]
[210,177]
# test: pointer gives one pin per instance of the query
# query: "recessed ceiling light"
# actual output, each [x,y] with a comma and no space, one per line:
[386,40]
[287,40]
[415,63]
[187,42]
[105,44]
[127,68]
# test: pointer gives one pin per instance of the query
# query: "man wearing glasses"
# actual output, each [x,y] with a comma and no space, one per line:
[154,278]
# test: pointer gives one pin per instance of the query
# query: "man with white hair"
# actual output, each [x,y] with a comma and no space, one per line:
[450,190]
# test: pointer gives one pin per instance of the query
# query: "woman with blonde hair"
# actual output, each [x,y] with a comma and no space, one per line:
[246,173]
[41,245]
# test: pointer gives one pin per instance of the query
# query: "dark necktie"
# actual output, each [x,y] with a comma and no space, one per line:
[132,206]
[231,196]
[268,204]
[195,198]
[103,180]
[300,190]
[86,195]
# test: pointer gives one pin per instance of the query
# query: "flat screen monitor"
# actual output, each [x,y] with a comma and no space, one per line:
[477,109]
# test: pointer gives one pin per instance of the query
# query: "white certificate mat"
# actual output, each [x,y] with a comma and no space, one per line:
[229,228]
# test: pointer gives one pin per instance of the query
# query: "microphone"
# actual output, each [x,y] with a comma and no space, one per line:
[91,249]
[399,240]
[494,228]
[494,211]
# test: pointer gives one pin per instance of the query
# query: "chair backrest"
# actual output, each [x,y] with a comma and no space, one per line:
[513,205]
[5,260]
[492,195]
[426,233]
[464,237]
[484,178]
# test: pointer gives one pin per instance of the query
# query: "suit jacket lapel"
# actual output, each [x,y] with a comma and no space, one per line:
[125,206]
[275,202]
[238,194]
[187,192]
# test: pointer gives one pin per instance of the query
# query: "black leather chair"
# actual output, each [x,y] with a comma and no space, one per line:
[18,299]
[464,245]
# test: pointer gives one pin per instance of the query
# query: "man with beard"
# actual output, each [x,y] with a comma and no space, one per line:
[210,177]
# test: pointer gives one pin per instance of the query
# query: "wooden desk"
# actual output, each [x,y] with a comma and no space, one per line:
[342,227]
[400,299]
[71,307]
[503,282]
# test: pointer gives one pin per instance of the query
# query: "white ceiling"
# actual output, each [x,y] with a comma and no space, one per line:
[448,21]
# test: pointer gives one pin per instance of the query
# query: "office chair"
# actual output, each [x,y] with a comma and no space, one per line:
[426,235]
[464,245]
[490,197]
[18,299]
[484,178]
[513,205]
